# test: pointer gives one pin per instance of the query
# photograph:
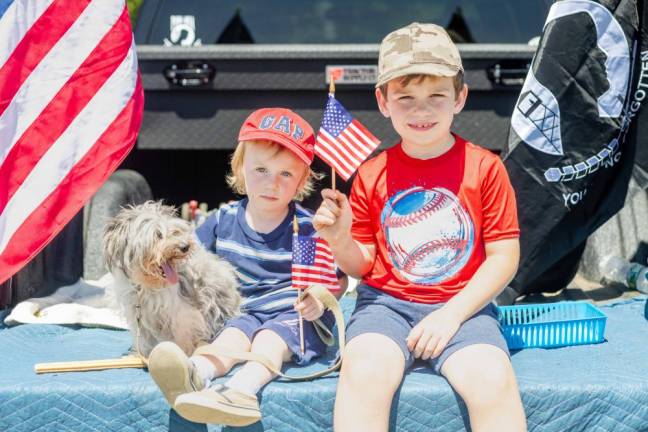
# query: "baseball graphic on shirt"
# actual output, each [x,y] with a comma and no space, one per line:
[429,234]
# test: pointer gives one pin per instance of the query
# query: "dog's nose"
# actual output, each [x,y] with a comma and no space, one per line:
[185,248]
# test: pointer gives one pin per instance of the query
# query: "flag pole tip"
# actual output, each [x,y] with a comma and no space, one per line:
[332,85]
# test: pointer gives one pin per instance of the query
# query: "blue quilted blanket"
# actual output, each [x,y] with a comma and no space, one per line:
[588,388]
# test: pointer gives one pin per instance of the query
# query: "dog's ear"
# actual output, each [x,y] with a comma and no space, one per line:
[106,243]
[110,240]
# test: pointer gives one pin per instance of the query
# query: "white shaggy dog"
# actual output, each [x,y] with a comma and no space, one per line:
[168,286]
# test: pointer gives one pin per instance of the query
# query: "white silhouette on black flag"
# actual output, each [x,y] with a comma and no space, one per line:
[575,133]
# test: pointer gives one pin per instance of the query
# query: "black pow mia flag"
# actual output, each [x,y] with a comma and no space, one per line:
[578,131]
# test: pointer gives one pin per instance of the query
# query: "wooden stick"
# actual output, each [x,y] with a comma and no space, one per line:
[299,295]
[90,365]
[332,94]
[301,325]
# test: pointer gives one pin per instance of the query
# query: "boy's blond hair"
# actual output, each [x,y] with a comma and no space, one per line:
[236,181]
[457,82]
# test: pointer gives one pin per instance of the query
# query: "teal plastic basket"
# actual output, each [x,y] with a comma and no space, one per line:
[552,325]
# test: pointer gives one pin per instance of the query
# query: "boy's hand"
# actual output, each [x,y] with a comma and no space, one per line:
[309,307]
[429,337]
[333,217]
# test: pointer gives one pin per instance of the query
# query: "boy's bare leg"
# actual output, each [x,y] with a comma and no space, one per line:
[236,403]
[372,370]
[252,376]
[484,377]
[231,339]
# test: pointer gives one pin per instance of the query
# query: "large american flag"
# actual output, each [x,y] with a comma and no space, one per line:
[312,263]
[342,141]
[71,105]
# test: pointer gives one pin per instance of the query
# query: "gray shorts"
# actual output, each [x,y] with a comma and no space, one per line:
[286,325]
[378,312]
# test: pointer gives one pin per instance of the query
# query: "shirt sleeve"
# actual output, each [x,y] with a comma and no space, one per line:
[361,229]
[499,208]
[206,232]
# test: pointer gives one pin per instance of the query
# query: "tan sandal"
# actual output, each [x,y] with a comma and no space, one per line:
[219,405]
[173,372]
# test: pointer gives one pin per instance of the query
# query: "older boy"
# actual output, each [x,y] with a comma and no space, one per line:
[431,228]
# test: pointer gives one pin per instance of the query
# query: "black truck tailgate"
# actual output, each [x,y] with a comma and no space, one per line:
[197,97]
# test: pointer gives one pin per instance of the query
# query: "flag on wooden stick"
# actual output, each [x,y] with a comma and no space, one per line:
[313,263]
[342,141]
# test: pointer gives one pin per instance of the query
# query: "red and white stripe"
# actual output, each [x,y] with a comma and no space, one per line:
[348,150]
[322,272]
[71,104]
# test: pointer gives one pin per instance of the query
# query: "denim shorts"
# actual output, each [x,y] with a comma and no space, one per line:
[379,312]
[286,325]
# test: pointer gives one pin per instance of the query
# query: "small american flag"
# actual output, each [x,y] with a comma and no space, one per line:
[71,104]
[313,263]
[343,142]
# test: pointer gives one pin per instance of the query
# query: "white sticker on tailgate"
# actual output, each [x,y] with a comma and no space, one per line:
[352,74]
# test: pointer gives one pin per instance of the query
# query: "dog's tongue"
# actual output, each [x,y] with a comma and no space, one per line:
[170,273]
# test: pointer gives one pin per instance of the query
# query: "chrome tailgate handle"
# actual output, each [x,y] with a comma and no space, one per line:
[189,73]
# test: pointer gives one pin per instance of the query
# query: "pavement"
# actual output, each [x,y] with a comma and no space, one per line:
[581,288]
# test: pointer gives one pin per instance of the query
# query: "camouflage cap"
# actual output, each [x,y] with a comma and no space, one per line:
[417,49]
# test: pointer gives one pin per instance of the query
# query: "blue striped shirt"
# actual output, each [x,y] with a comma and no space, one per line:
[263,261]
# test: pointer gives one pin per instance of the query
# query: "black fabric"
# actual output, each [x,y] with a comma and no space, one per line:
[571,166]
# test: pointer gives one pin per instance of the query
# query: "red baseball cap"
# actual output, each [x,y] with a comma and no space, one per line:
[282,126]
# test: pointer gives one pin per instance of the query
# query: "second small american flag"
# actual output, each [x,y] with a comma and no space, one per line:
[313,263]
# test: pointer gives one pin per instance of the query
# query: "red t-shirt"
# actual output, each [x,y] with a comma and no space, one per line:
[429,218]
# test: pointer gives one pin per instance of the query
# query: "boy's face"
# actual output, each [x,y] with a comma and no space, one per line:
[272,175]
[422,111]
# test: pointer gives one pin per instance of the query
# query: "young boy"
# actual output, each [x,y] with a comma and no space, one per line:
[271,165]
[431,228]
